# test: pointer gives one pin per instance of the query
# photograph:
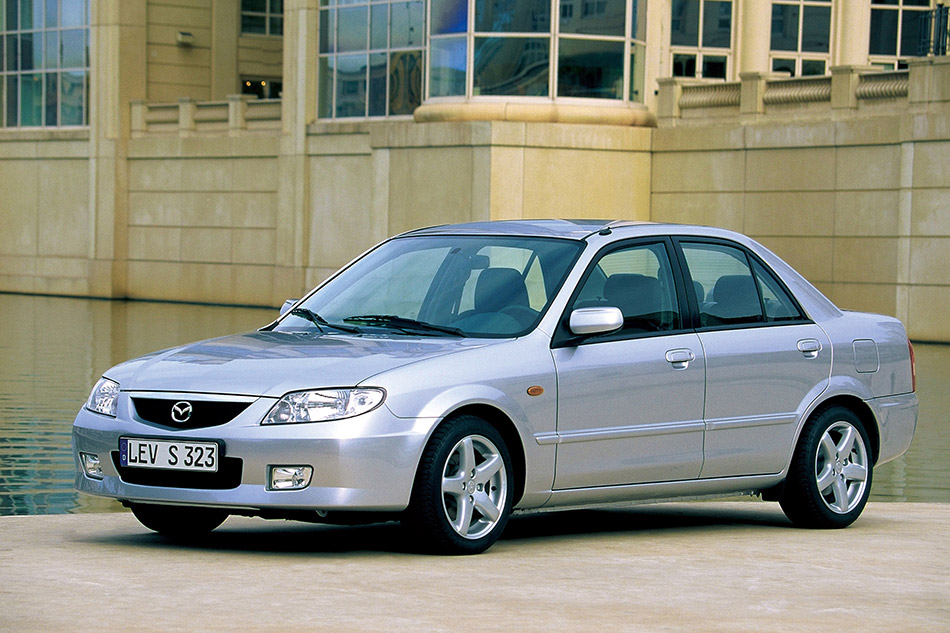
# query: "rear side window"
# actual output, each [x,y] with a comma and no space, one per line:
[733,289]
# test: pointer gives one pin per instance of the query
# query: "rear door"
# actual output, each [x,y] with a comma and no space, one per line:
[765,360]
[630,403]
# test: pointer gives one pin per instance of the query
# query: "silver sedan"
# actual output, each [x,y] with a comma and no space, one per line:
[455,374]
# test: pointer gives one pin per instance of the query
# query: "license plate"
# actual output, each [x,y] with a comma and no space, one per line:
[141,453]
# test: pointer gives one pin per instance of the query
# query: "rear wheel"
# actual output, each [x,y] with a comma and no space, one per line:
[462,495]
[178,522]
[829,480]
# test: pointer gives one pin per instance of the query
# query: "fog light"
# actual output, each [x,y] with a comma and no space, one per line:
[91,465]
[289,477]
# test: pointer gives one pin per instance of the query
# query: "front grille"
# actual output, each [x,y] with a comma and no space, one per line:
[204,413]
[228,476]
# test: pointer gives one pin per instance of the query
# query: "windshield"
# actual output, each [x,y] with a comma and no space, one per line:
[489,286]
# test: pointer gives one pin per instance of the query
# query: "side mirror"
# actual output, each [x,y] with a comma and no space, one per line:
[586,321]
[287,306]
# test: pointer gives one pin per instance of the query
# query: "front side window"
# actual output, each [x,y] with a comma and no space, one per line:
[639,281]
[801,37]
[44,63]
[701,38]
[371,58]
[488,286]
[262,17]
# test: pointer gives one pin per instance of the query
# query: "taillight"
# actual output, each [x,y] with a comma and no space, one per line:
[913,366]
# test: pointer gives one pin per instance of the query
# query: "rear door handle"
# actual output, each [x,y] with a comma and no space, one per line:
[680,358]
[809,347]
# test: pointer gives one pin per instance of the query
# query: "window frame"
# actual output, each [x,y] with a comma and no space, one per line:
[701,51]
[897,61]
[798,55]
[267,14]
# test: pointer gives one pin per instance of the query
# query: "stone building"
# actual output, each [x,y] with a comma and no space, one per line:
[238,151]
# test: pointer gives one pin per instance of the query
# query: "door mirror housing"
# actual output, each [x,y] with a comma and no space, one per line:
[587,321]
[288,304]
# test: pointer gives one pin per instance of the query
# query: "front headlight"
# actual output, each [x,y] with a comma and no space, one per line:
[324,405]
[103,397]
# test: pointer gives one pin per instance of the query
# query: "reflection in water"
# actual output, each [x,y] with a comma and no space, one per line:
[54,349]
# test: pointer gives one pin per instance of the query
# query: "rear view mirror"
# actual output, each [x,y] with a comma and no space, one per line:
[287,306]
[585,321]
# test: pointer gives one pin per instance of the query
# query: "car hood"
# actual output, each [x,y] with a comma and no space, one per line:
[274,363]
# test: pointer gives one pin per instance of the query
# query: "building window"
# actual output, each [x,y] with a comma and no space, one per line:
[44,63]
[801,37]
[586,49]
[370,58]
[262,17]
[897,27]
[262,88]
[701,38]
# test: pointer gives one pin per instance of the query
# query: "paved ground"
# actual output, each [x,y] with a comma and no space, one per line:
[678,567]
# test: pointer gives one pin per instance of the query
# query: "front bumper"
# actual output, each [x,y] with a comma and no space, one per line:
[366,463]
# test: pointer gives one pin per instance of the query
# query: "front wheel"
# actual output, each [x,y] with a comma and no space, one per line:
[178,522]
[462,495]
[829,480]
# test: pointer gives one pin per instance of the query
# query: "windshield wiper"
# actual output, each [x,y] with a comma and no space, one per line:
[320,322]
[402,323]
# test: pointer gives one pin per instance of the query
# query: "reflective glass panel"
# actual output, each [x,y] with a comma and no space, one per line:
[51,50]
[31,14]
[590,69]
[74,48]
[784,65]
[276,6]
[714,66]
[813,67]
[448,16]
[447,67]
[327,31]
[377,84]
[256,24]
[512,16]
[31,100]
[684,65]
[816,29]
[891,2]
[325,94]
[883,39]
[913,24]
[352,28]
[405,81]
[72,98]
[259,6]
[52,14]
[379,26]
[595,17]
[717,24]
[351,85]
[276,26]
[637,68]
[408,24]
[52,101]
[12,14]
[31,50]
[638,19]
[11,100]
[784,27]
[13,52]
[74,13]
[511,66]
[684,25]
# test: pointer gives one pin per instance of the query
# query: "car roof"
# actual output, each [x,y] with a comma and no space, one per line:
[573,229]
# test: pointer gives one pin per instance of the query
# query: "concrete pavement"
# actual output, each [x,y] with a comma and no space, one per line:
[712,566]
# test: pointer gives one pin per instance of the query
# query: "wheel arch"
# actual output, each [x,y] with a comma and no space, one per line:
[861,409]
[509,433]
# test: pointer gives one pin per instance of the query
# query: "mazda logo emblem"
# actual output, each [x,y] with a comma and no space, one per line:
[181,412]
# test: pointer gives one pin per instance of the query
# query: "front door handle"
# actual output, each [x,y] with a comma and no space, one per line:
[680,358]
[809,347]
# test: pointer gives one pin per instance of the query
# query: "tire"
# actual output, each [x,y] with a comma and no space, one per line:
[462,496]
[829,479]
[178,522]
